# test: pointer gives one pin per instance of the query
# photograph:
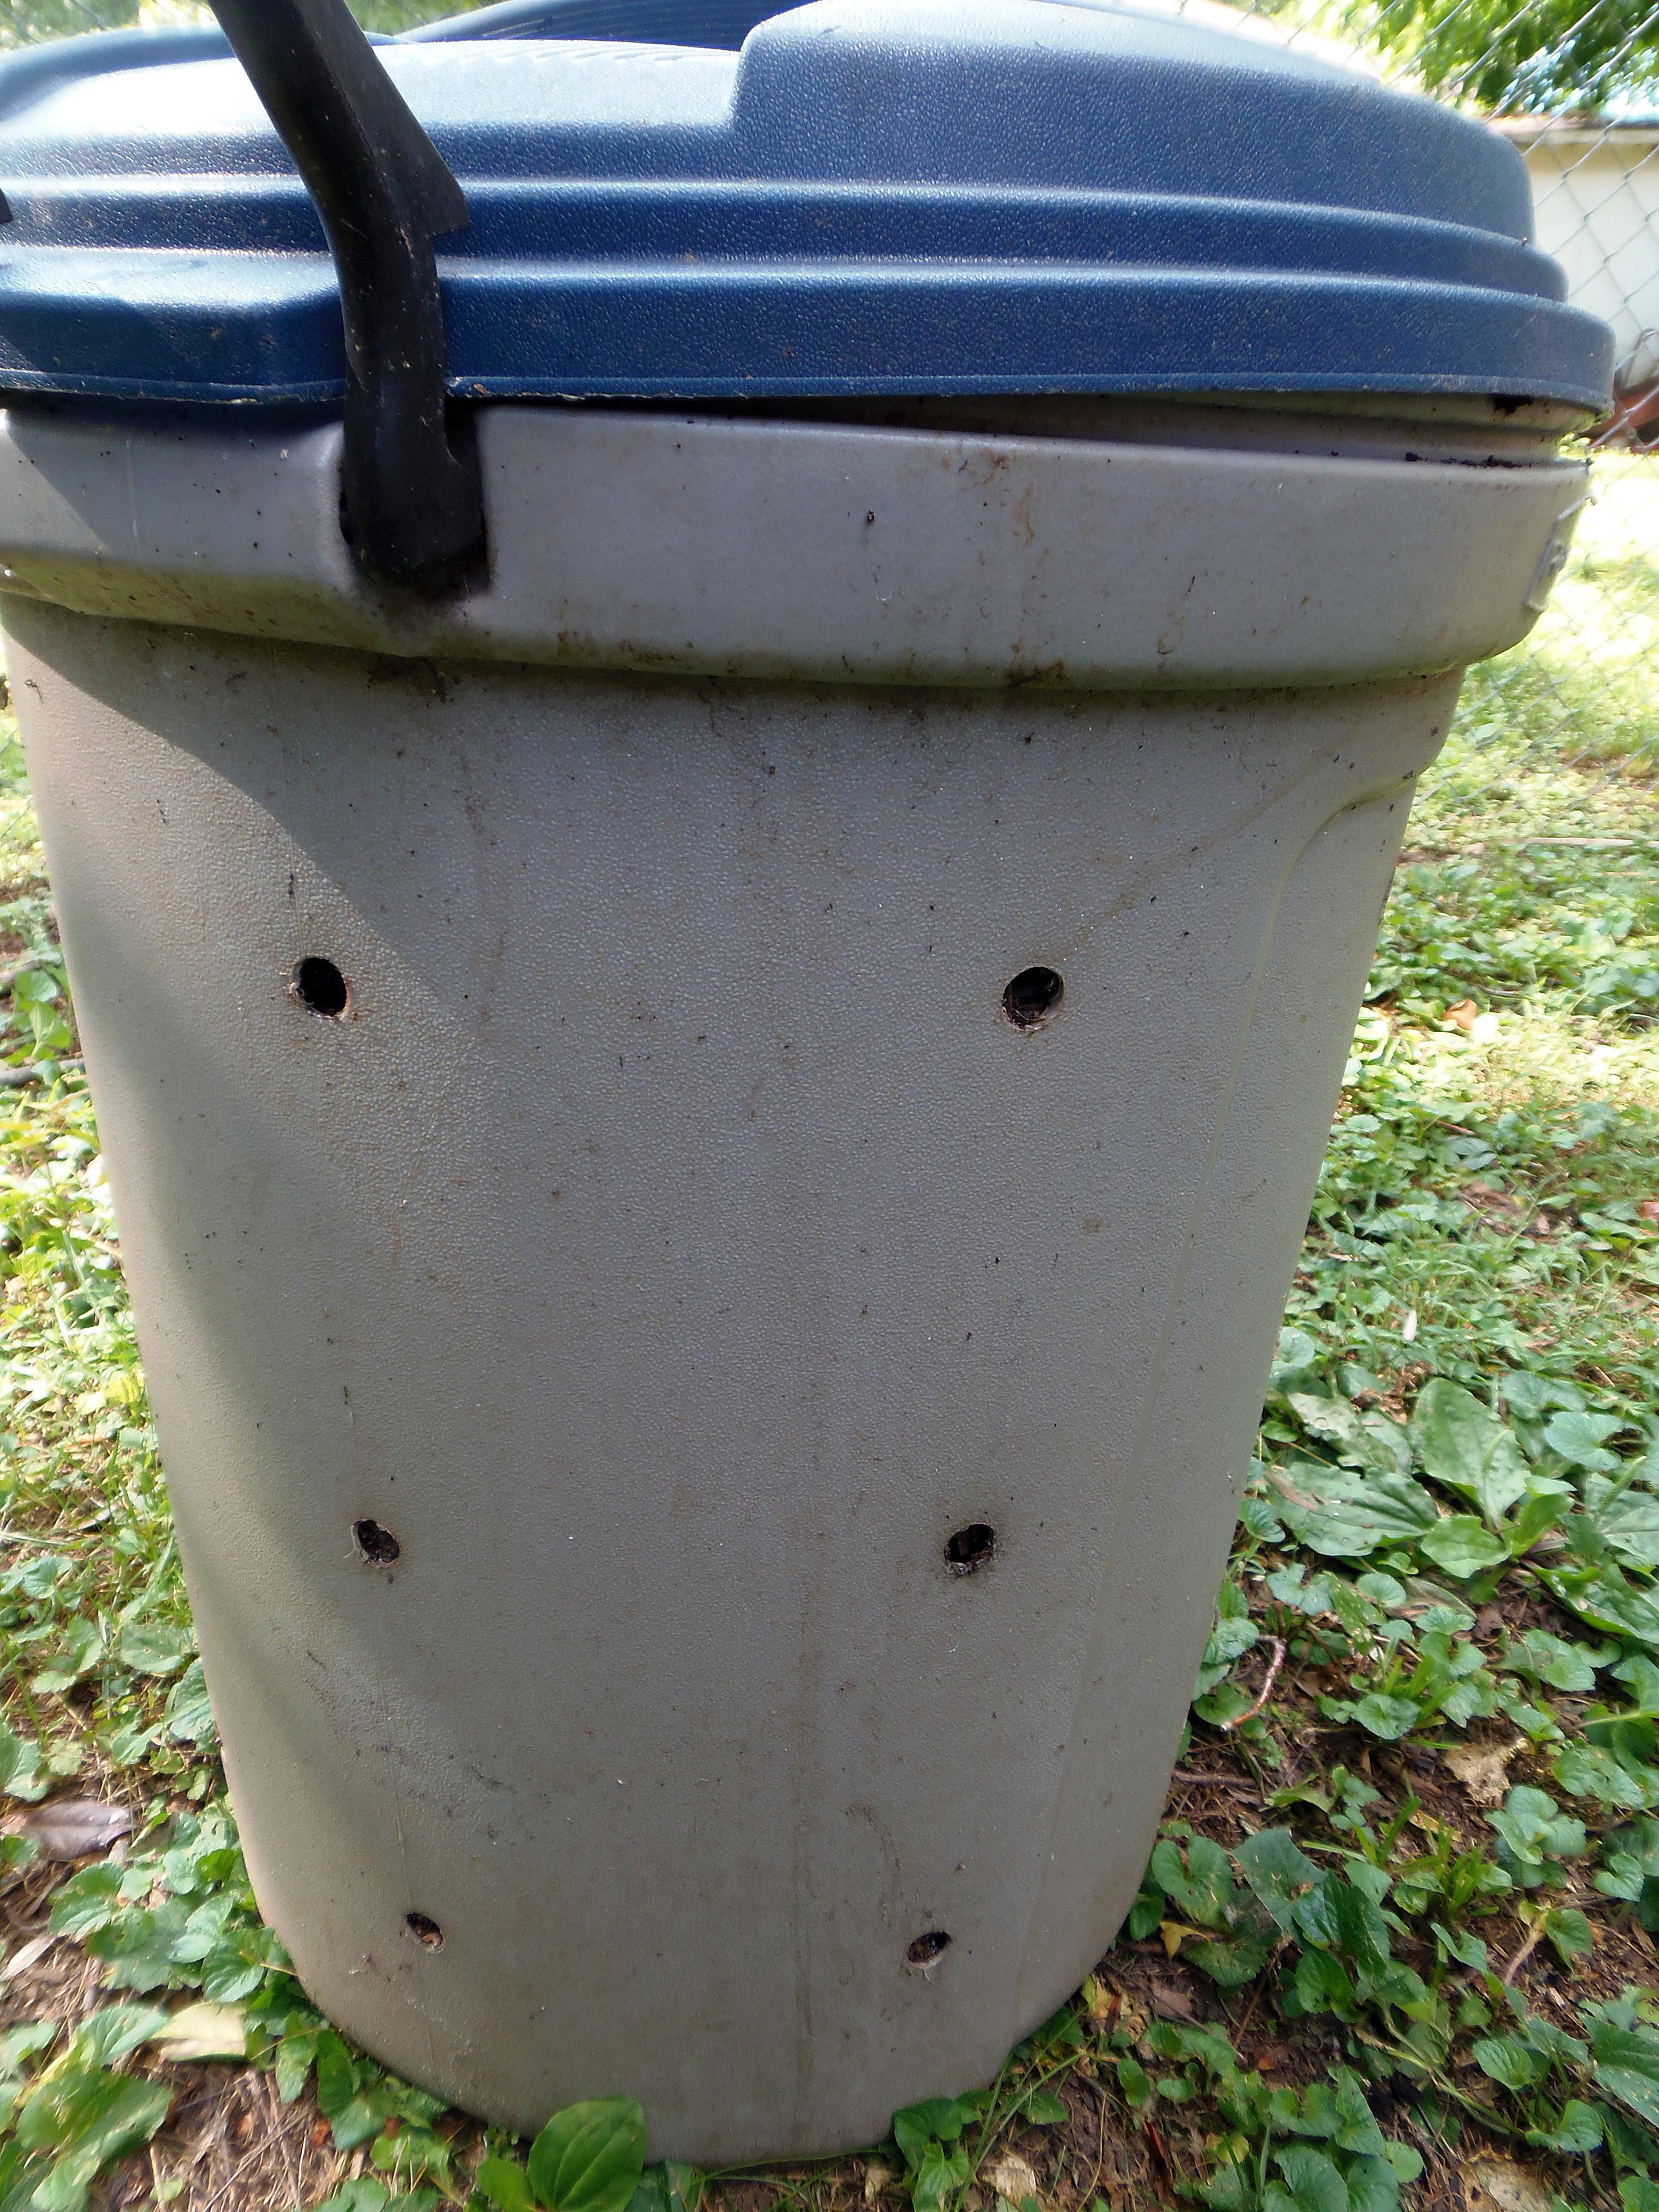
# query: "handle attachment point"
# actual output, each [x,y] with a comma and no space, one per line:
[413,506]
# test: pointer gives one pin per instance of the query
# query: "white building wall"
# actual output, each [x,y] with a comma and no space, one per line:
[1597,198]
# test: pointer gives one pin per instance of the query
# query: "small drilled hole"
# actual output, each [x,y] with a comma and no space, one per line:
[425,1930]
[377,1545]
[319,986]
[1032,996]
[970,1548]
[928,1950]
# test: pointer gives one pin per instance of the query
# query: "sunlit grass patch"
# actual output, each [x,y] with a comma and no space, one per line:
[1541,1057]
[22,864]
[1560,738]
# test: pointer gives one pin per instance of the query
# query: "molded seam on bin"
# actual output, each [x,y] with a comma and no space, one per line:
[1156,871]
[1134,1468]
[390,1760]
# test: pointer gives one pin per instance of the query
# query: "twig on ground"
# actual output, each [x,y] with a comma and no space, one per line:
[1534,1937]
[1256,1996]
[227,2185]
[1266,1691]
[26,966]
[280,2132]
[1090,2194]
[14,1079]
[1157,2142]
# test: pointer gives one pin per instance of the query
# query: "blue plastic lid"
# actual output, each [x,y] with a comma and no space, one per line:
[872,197]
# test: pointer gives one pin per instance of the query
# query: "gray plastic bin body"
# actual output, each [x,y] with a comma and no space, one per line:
[675,1243]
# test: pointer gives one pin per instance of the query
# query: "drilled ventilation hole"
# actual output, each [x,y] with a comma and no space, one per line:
[970,1548]
[1033,996]
[319,986]
[425,1930]
[928,1950]
[377,1545]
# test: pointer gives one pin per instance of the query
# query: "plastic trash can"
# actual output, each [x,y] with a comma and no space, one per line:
[713,1064]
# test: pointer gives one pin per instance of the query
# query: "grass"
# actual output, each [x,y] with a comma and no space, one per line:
[23,22]
[1397,1942]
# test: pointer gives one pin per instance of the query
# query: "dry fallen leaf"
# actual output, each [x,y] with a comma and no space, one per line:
[1647,1209]
[203,2031]
[30,1954]
[1171,2003]
[1012,2177]
[876,2178]
[72,1827]
[1101,2001]
[1483,1770]
[1174,1932]
[1498,2185]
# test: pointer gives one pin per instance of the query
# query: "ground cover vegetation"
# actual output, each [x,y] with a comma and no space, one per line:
[1396,1943]
[23,22]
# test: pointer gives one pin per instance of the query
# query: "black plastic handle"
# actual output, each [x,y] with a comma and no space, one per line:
[413,508]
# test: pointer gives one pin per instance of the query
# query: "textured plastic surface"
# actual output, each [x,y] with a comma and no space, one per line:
[32,74]
[650,23]
[1006,196]
[673,1247]
[675,1243]
[841,554]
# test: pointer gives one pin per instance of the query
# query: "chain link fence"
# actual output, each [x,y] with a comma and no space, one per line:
[1574,84]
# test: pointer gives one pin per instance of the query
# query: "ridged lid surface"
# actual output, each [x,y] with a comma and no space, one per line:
[874,195]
